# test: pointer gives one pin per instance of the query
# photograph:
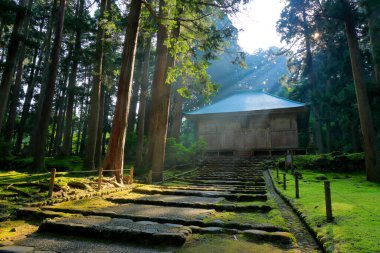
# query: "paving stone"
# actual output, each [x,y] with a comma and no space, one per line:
[16,249]
[277,237]
[118,229]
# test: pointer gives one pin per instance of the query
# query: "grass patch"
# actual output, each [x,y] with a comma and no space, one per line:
[356,227]
[226,244]
[15,230]
[86,204]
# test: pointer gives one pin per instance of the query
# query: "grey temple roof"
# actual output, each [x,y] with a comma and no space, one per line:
[246,101]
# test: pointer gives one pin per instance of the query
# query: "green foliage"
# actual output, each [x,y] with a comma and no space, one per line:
[177,154]
[130,146]
[21,163]
[334,162]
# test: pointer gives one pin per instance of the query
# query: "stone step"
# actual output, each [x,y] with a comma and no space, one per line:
[256,190]
[117,229]
[221,182]
[123,211]
[226,179]
[226,195]
[181,202]
[238,187]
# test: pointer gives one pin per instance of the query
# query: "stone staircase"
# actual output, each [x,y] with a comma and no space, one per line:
[171,214]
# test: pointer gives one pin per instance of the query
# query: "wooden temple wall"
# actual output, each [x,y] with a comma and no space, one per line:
[249,132]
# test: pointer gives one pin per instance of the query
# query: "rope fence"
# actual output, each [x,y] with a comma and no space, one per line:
[54,174]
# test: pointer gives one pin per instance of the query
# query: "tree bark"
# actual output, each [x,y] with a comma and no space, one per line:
[373,10]
[313,85]
[142,105]
[67,137]
[43,123]
[13,48]
[47,48]
[135,98]
[99,138]
[28,101]
[92,128]
[365,115]
[160,104]
[176,123]
[115,156]
[17,85]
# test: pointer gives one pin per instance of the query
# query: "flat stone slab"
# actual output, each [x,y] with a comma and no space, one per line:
[159,211]
[209,194]
[173,199]
[145,232]
[217,206]
[80,245]
[16,249]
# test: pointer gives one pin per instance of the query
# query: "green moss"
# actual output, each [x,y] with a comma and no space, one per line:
[356,227]
[86,204]
[15,230]
[273,217]
[227,244]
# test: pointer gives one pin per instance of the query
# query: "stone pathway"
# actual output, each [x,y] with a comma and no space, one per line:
[226,198]
[305,240]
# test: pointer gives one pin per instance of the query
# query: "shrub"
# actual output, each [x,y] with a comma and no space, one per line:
[334,162]
[177,154]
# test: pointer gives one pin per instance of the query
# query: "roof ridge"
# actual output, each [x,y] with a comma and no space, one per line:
[287,99]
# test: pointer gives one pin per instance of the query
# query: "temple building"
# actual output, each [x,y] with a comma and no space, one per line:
[249,121]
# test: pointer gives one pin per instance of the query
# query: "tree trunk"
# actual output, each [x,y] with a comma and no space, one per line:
[313,86]
[354,138]
[85,116]
[47,48]
[160,105]
[99,138]
[135,98]
[142,104]
[67,137]
[17,86]
[365,115]
[373,10]
[43,123]
[92,128]
[176,123]
[115,156]
[13,48]
[28,101]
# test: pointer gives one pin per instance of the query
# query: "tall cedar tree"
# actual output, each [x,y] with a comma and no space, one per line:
[43,123]
[17,84]
[114,159]
[142,103]
[13,48]
[373,11]
[92,127]
[159,108]
[369,135]
[67,137]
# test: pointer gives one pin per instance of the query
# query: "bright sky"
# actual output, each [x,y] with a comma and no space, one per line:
[258,20]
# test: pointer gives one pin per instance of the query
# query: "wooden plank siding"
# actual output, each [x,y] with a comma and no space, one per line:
[261,131]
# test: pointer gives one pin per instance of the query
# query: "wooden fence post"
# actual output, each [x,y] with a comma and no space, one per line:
[297,186]
[284,184]
[100,179]
[329,215]
[51,185]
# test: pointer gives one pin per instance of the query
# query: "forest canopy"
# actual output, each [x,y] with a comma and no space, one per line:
[109,80]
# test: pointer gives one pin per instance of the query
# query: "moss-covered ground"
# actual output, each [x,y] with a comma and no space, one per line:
[227,244]
[355,204]
[12,230]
